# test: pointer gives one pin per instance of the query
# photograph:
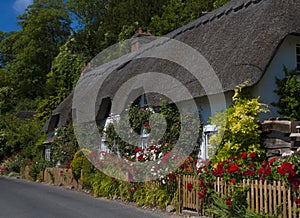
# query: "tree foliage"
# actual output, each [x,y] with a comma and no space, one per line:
[219,3]
[29,52]
[65,71]
[20,136]
[178,13]
[288,90]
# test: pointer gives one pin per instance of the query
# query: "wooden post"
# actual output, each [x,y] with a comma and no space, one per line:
[289,203]
[256,197]
[179,194]
[265,197]
[270,199]
[275,198]
[279,197]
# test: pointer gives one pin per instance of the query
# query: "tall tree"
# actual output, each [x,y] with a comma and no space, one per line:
[101,21]
[178,13]
[45,27]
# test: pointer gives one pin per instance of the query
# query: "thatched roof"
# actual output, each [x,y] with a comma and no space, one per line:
[25,114]
[60,116]
[238,40]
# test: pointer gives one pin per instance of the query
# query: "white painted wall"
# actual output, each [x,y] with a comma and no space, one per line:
[285,56]
[209,106]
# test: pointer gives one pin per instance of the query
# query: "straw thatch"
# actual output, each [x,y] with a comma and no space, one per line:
[238,40]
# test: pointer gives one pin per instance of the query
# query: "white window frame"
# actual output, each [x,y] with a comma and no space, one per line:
[208,131]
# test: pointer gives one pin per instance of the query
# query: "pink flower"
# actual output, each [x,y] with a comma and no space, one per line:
[166,157]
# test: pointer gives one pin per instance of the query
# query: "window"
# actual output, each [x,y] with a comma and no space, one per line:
[207,151]
[298,57]
[48,152]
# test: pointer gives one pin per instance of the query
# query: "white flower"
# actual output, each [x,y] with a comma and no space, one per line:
[288,153]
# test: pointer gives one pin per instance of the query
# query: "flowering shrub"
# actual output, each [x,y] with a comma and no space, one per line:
[248,166]
[157,150]
[12,163]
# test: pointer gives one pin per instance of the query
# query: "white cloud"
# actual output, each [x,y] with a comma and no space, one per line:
[20,5]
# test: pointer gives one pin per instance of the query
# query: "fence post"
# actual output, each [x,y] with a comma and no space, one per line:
[179,194]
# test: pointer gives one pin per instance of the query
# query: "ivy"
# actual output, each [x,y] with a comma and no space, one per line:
[64,146]
[139,119]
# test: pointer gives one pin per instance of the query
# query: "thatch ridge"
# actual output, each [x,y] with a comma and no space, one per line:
[239,40]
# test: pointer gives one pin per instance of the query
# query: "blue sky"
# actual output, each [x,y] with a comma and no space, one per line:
[9,10]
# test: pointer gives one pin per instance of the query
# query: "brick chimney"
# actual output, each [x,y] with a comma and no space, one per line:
[141,38]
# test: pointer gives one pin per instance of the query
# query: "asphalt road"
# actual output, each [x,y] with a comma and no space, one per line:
[24,199]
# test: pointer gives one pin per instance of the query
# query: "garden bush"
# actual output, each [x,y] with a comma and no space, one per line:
[248,166]
[238,127]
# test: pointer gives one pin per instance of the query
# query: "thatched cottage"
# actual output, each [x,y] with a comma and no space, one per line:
[245,40]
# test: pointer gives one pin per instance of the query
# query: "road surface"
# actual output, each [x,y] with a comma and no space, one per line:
[19,198]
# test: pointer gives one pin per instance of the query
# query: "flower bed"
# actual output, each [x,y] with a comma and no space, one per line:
[246,166]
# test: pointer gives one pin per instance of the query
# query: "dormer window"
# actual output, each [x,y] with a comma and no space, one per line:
[298,57]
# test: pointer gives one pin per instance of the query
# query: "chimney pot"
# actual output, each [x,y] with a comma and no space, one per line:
[149,32]
[140,30]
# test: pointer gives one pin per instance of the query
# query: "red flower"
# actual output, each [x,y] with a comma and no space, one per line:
[248,173]
[228,202]
[253,155]
[147,124]
[189,186]
[153,148]
[272,160]
[244,155]
[140,157]
[265,171]
[297,200]
[218,172]
[295,187]
[233,180]
[251,164]
[136,150]
[202,194]
[171,176]
[233,168]
[261,178]
[286,168]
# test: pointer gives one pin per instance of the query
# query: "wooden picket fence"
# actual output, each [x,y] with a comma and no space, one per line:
[262,197]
